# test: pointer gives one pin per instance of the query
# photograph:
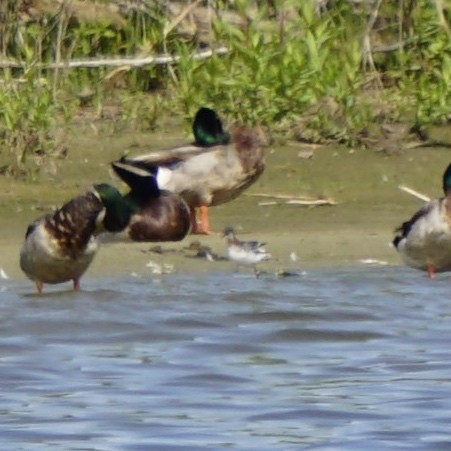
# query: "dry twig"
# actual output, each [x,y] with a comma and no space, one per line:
[133,61]
[414,193]
[293,200]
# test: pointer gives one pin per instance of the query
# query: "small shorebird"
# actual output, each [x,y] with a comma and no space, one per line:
[245,252]
[216,169]
[424,241]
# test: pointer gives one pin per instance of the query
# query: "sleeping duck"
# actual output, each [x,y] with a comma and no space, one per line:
[424,241]
[158,215]
[216,169]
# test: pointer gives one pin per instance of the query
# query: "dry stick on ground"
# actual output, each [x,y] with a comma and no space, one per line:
[414,193]
[294,200]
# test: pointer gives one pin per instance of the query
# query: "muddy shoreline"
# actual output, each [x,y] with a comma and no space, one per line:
[357,230]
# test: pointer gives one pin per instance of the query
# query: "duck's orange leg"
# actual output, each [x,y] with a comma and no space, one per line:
[431,271]
[39,287]
[205,221]
[76,284]
[204,227]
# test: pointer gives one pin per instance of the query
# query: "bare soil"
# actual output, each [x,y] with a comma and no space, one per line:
[358,229]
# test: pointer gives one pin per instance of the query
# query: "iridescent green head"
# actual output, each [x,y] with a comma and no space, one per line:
[207,129]
[118,210]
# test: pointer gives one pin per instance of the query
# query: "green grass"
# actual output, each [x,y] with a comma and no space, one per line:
[300,73]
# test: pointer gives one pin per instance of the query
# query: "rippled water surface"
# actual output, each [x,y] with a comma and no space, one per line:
[346,358]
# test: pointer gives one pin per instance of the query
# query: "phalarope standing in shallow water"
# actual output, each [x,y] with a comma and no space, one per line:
[245,252]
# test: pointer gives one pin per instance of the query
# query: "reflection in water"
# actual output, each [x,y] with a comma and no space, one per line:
[333,359]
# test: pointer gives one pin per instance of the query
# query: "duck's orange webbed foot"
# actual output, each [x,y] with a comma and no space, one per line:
[431,271]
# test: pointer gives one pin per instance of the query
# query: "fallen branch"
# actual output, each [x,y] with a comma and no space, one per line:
[311,203]
[132,61]
[293,200]
[304,203]
[414,193]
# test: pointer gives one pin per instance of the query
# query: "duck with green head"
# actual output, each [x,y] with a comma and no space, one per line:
[216,169]
[158,215]
[424,241]
[60,247]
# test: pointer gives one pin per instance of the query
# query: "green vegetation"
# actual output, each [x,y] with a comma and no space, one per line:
[307,75]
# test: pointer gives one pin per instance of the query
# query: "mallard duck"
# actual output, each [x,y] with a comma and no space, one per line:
[60,247]
[424,241]
[216,169]
[158,215]
[245,252]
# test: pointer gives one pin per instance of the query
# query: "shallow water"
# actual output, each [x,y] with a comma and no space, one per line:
[345,358]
